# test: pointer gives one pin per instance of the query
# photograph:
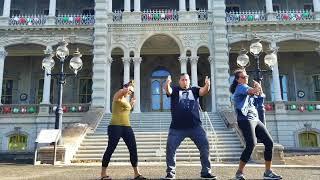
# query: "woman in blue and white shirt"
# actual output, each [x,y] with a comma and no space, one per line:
[246,99]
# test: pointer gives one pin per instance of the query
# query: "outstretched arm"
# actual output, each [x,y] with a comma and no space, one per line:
[206,88]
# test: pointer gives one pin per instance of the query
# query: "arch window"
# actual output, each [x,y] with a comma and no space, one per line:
[308,139]
[18,142]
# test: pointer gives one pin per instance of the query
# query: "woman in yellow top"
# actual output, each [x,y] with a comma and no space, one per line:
[119,127]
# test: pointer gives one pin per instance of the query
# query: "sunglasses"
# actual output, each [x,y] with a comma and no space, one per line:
[244,77]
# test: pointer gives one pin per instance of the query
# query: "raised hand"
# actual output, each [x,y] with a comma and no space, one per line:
[207,81]
[168,80]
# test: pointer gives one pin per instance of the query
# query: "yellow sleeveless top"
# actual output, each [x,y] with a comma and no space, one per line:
[120,113]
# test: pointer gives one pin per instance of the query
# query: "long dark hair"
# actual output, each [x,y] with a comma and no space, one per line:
[130,83]
[234,84]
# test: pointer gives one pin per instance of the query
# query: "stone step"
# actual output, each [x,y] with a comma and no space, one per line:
[155,143]
[156,159]
[218,146]
[162,135]
[151,136]
[151,155]
[143,152]
[155,140]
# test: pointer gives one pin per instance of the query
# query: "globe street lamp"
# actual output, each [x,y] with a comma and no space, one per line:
[62,52]
[270,59]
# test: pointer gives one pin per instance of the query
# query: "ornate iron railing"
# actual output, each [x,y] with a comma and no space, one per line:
[249,16]
[294,15]
[303,106]
[27,20]
[74,19]
[19,108]
[159,15]
[202,14]
[117,16]
[70,108]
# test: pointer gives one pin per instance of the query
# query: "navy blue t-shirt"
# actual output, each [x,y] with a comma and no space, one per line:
[185,108]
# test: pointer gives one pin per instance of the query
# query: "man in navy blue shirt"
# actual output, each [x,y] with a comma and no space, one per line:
[186,123]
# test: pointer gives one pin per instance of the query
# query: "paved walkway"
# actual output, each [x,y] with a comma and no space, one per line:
[152,171]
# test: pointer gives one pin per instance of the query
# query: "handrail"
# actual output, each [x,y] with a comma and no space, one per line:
[213,134]
[229,119]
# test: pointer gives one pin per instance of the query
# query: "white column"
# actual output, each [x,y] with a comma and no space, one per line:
[126,69]
[52,7]
[108,88]
[110,6]
[3,54]
[137,62]
[316,5]
[192,4]
[137,5]
[209,5]
[275,77]
[6,9]
[183,64]
[182,5]
[213,86]
[46,87]
[127,5]
[194,71]
[269,6]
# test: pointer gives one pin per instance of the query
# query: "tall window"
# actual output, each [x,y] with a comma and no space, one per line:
[283,88]
[40,90]
[18,142]
[308,6]
[232,8]
[316,82]
[85,90]
[7,87]
[308,139]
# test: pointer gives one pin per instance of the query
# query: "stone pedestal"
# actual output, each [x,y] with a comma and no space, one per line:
[45,154]
[4,21]
[131,17]
[188,16]
[278,156]
[280,107]
[43,110]
[51,20]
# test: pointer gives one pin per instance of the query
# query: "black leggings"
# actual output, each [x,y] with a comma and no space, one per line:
[251,130]
[114,134]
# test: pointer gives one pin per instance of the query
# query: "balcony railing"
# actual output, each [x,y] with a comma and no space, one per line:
[249,16]
[294,15]
[307,106]
[202,14]
[70,108]
[117,16]
[159,15]
[75,19]
[19,108]
[27,20]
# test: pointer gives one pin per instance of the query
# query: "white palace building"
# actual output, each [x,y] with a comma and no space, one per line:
[147,40]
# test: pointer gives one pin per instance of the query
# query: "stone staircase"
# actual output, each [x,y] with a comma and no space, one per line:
[151,131]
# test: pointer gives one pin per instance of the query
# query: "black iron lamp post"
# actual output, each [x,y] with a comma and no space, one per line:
[61,53]
[270,59]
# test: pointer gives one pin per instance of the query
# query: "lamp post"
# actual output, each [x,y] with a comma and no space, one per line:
[62,52]
[270,59]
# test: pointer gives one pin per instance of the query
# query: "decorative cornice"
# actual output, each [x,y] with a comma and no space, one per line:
[194,59]
[183,59]
[137,60]
[126,60]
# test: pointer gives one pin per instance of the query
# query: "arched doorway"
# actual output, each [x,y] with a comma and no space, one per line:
[160,101]
[160,54]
